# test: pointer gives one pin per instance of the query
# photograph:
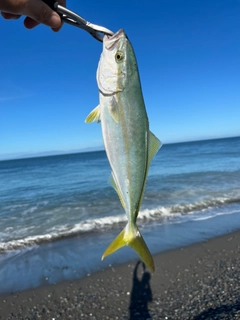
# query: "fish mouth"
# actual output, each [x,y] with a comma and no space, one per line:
[111,41]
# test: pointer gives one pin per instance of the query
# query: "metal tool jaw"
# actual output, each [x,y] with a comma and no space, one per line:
[74,19]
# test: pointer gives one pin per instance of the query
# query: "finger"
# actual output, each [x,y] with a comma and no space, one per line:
[57,29]
[9,16]
[62,3]
[42,13]
[29,23]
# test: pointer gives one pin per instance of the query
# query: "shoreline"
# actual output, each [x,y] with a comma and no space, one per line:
[76,257]
[200,281]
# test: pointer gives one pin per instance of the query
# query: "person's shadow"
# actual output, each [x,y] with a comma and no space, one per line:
[140,296]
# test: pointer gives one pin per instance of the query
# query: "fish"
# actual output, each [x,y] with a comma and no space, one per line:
[130,145]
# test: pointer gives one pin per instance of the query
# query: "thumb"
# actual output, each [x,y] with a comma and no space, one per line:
[42,13]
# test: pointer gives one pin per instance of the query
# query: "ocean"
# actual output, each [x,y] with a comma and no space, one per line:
[58,213]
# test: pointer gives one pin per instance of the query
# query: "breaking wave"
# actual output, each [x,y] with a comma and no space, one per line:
[174,214]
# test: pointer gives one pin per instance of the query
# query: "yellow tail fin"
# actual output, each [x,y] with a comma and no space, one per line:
[133,239]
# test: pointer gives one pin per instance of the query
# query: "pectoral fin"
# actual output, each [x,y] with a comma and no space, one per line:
[94,115]
[113,108]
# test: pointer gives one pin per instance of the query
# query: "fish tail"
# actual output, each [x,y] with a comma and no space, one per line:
[133,239]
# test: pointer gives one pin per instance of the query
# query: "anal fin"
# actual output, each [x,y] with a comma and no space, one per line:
[112,182]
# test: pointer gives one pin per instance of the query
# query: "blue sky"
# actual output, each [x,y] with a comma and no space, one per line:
[188,54]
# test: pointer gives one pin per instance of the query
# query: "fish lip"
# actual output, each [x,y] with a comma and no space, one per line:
[111,41]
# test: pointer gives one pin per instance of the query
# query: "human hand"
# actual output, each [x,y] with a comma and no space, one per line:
[36,12]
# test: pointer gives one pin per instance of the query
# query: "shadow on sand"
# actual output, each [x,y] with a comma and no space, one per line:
[141,294]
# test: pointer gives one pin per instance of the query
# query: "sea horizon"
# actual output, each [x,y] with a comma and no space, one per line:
[13,156]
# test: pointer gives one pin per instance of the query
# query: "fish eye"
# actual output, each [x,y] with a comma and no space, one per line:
[119,56]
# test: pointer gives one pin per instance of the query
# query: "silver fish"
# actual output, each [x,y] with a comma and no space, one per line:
[129,144]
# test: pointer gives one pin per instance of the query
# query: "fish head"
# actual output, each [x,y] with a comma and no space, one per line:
[117,63]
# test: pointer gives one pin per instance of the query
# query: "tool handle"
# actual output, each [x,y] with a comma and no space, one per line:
[51,3]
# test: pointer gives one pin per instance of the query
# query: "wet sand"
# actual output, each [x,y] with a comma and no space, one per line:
[201,281]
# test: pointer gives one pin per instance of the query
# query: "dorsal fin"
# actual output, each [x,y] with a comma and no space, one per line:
[154,144]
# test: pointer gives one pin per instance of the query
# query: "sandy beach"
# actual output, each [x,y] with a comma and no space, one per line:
[200,281]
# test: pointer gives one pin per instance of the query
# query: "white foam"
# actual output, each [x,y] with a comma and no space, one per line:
[199,210]
[63,231]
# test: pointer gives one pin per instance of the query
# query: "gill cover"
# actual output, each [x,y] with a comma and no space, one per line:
[111,72]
